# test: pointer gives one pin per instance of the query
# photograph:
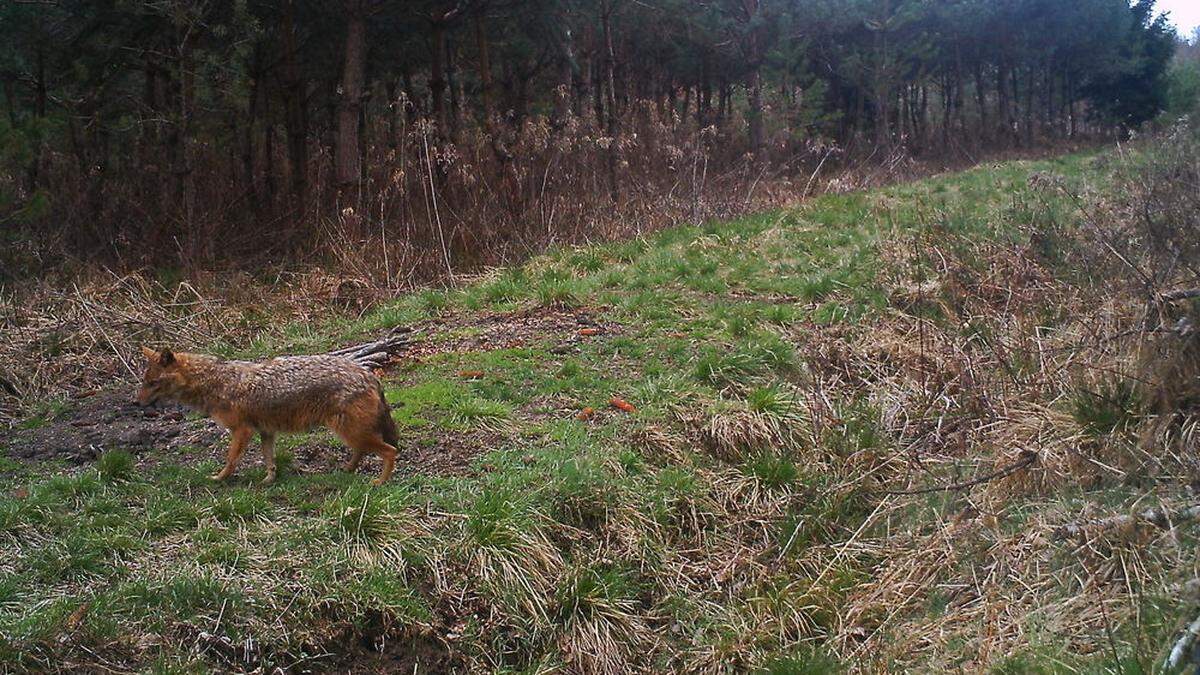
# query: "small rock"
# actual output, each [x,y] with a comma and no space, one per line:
[135,437]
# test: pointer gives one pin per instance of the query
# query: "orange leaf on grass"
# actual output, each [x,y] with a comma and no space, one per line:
[586,414]
[470,374]
[621,404]
[76,616]
[589,331]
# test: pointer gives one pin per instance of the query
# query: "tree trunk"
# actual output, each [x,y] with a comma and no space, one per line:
[485,73]
[580,83]
[248,131]
[1029,106]
[1070,84]
[393,113]
[347,161]
[295,109]
[1015,104]
[39,111]
[755,113]
[269,178]
[882,137]
[197,247]
[924,114]
[612,131]
[959,107]
[412,108]
[566,79]
[437,75]
[1002,101]
[981,103]
[947,109]
[455,85]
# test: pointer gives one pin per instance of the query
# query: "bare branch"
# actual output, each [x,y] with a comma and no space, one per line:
[1027,457]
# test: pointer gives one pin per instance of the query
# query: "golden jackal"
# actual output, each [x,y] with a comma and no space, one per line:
[294,393]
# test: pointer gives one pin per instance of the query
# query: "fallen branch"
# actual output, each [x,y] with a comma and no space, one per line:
[1027,457]
[377,353]
[1182,647]
[1159,517]
[1180,294]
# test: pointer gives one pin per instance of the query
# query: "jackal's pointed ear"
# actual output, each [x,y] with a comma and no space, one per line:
[166,358]
[150,354]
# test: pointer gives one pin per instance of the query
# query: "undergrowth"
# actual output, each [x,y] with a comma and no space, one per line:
[811,392]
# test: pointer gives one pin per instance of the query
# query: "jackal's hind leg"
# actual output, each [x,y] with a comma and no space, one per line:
[362,443]
[237,445]
[388,454]
[356,456]
[268,453]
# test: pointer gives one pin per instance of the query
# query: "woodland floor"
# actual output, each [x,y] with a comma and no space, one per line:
[782,379]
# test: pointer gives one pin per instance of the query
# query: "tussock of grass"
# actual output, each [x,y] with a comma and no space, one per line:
[479,413]
[508,287]
[769,418]
[603,625]
[241,505]
[1112,407]
[115,465]
[584,493]
[374,528]
[773,471]
[559,293]
[504,543]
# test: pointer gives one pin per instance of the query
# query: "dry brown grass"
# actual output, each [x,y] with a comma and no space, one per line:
[966,376]
[73,339]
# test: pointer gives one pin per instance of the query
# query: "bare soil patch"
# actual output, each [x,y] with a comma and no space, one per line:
[508,330]
[110,420]
[448,455]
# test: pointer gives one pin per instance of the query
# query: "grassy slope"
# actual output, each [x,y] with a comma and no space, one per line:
[729,523]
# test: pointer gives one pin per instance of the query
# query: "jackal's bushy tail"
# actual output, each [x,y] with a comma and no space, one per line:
[387,426]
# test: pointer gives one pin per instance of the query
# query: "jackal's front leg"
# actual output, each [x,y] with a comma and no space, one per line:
[237,445]
[268,453]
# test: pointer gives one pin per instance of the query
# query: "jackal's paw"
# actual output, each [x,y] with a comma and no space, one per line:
[217,477]
[270,479]
[377,482]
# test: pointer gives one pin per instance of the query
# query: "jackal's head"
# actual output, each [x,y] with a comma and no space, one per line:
[163,377]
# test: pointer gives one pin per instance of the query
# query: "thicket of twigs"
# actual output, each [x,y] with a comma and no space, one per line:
[426,206]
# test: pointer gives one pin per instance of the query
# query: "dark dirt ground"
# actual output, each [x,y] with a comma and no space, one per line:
[108,420]
[97,421]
